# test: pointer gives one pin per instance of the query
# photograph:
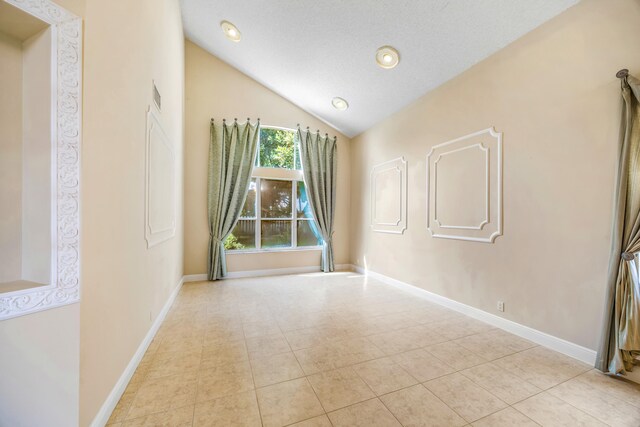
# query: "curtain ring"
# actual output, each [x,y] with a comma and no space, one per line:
[627,256]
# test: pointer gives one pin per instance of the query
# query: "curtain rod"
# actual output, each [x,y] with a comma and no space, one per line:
[235,120]
[317,131]
[622,73]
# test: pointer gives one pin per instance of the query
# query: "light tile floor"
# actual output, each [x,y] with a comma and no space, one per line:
[343,350]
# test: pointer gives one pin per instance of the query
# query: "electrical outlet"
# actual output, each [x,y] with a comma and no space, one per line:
[500,305]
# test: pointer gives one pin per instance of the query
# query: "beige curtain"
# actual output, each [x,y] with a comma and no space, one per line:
[621,331]
[320,169]
[232,153]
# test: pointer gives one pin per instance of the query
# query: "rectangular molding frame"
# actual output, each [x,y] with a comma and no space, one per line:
[554,343]
[66,90]
[489,227]
[400,225]
[152,235]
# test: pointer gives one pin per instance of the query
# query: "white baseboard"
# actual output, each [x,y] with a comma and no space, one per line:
[267,272]
[112,400]
[195,278]
[554,343]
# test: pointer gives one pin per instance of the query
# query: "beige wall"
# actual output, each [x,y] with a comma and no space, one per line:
[64,372]
[10,157]
[40,352]
[216,90]
[25,160]
[124,284]
[554,95]
[36,159]
[39,361]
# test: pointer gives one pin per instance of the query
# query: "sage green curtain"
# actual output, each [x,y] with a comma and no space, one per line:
[232,153]
[318,156]
[621,331]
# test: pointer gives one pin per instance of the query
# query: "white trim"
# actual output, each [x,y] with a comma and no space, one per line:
[156,236]
[195,278]
[485,221]
[269,250]
[110,403]
[399,165]
[493,208]
[554,343]
[278,174]
[570,349]
[66,99]
[267,272]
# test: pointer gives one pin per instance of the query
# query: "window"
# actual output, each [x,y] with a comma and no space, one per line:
[278,149]
[276,214]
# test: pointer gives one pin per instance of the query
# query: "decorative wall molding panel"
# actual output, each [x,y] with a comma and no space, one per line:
[160,197]
[389,196]
[464,187]
[66,51]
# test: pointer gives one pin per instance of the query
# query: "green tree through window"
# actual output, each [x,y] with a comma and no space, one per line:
[277,149]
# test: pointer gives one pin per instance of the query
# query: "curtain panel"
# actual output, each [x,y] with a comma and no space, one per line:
[232,153]
[318,156]
[621,330]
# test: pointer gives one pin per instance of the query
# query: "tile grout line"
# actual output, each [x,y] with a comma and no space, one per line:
[253,380]
[145,378]
[306,377]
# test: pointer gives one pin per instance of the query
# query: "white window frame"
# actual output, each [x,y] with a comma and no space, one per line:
[278,174]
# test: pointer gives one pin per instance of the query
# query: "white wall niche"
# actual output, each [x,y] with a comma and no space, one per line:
[63,145]
[389,196]
[464,187]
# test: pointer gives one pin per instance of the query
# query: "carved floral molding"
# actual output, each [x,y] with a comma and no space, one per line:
[67,50]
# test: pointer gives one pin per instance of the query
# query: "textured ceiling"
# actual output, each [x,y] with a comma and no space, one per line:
[309,51]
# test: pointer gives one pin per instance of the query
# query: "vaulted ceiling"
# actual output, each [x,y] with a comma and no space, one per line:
[310,51]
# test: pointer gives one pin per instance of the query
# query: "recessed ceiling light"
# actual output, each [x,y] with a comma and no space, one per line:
[230,31]
[339,103]
[387,57]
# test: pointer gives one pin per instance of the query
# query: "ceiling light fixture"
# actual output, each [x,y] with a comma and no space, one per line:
[230,31]
[387,57]
[339,103]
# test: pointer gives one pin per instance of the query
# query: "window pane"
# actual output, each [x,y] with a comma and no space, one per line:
[249,208]
[276,234]
[307,235]
[276,148]
[275,198]
[243,236]
[303,208]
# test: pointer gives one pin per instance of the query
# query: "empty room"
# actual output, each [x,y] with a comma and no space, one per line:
[319,213]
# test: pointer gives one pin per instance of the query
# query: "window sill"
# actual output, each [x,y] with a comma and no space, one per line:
[264,251]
